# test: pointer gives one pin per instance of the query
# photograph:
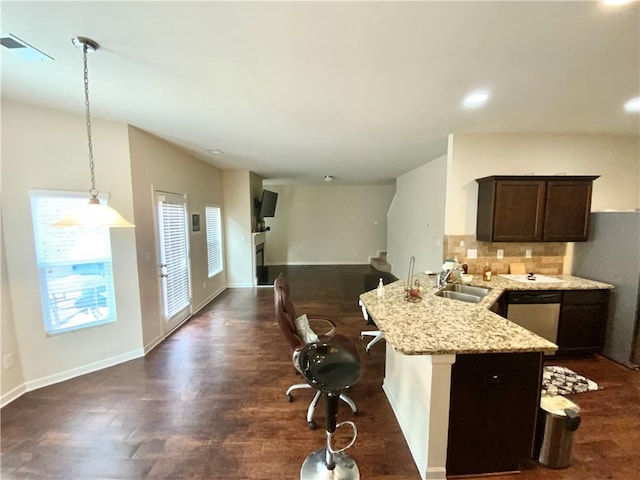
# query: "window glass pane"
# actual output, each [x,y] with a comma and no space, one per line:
[74,265]
[214,240]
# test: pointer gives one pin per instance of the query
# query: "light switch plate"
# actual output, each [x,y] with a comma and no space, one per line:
[527,253]
[500,253]
[472,253]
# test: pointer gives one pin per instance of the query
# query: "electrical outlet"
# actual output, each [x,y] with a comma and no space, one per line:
[500,254]
[462,243]
[8,361]
[527,253]
[472,253]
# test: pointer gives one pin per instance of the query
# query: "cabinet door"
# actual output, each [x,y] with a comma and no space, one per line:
[583,322]
[493,407]
[581,329]
[519,211]
[567,208]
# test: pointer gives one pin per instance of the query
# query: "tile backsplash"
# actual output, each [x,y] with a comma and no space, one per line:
[546,258]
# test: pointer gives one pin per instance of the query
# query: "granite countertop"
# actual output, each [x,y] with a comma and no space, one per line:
[437,325]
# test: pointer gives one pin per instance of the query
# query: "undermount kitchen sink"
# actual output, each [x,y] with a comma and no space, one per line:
[463,293]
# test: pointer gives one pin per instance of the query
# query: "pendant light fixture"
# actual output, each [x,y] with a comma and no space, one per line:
[94,213]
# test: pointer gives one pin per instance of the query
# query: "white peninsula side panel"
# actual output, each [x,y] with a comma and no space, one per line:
[418,387]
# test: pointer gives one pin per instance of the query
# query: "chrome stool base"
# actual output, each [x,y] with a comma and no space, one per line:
[315,467]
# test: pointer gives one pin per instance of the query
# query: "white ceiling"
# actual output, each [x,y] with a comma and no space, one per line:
[363,91]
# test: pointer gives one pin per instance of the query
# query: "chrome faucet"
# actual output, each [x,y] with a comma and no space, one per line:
[443,277]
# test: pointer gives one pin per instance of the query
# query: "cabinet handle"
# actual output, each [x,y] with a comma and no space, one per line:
[494,379]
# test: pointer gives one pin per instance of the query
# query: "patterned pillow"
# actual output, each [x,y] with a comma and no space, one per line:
[304,330]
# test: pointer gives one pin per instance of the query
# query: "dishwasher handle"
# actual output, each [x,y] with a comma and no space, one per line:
[529,298]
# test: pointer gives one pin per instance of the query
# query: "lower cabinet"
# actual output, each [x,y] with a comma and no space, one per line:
[583,322]
[493,408]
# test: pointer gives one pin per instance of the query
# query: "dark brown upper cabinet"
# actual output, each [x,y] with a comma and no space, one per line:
[534,208]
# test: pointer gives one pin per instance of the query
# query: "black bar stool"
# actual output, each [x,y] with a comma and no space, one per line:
[330,368]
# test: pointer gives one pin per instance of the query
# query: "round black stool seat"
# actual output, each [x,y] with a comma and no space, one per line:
[329,367]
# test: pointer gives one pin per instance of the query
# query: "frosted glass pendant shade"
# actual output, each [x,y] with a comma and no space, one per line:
[93,214]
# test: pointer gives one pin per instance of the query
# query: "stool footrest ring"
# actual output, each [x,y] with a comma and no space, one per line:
[353,440]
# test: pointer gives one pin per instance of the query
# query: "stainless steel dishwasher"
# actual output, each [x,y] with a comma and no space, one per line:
[537,311]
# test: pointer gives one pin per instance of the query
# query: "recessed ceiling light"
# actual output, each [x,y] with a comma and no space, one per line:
[329,178]
[475,99]
[633,105]
[214,151]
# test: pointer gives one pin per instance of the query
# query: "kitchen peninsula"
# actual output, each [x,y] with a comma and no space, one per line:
[494,384]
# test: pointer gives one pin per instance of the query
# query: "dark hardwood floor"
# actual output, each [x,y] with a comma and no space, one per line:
[208,403]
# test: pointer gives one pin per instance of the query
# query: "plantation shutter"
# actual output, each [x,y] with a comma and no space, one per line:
[173,224]
[214,240]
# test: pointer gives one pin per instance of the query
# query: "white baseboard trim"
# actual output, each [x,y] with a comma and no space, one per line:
[153,343]
[318,263]
[159,339]
[69,374]
[9,397]
[205,302]
[240,285]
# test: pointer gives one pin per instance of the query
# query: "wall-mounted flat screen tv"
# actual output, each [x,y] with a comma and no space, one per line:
[268,204]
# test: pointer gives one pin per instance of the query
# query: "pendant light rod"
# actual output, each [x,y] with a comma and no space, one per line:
[94,213]
[88,45]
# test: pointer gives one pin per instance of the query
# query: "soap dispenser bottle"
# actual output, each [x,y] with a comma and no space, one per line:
[380,290]
[486,272]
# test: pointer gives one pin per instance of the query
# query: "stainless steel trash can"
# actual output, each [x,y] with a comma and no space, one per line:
[558,419]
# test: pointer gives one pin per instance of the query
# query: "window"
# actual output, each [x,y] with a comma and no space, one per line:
[74,266]
[214,240]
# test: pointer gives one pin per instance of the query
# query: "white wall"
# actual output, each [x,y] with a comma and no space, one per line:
[615,158]
[46,149]
[238,206]
[13,378]
[416,219]
[158,165]
[327,224]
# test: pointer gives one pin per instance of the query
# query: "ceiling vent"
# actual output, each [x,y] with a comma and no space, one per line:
[23,50]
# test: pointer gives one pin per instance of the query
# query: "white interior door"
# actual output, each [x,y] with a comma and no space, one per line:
[173,262]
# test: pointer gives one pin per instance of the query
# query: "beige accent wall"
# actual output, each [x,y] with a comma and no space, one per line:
[327,224]
[47,149]
[416,219]
[238,208]
[615,158]
[158,165]
[255,193]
